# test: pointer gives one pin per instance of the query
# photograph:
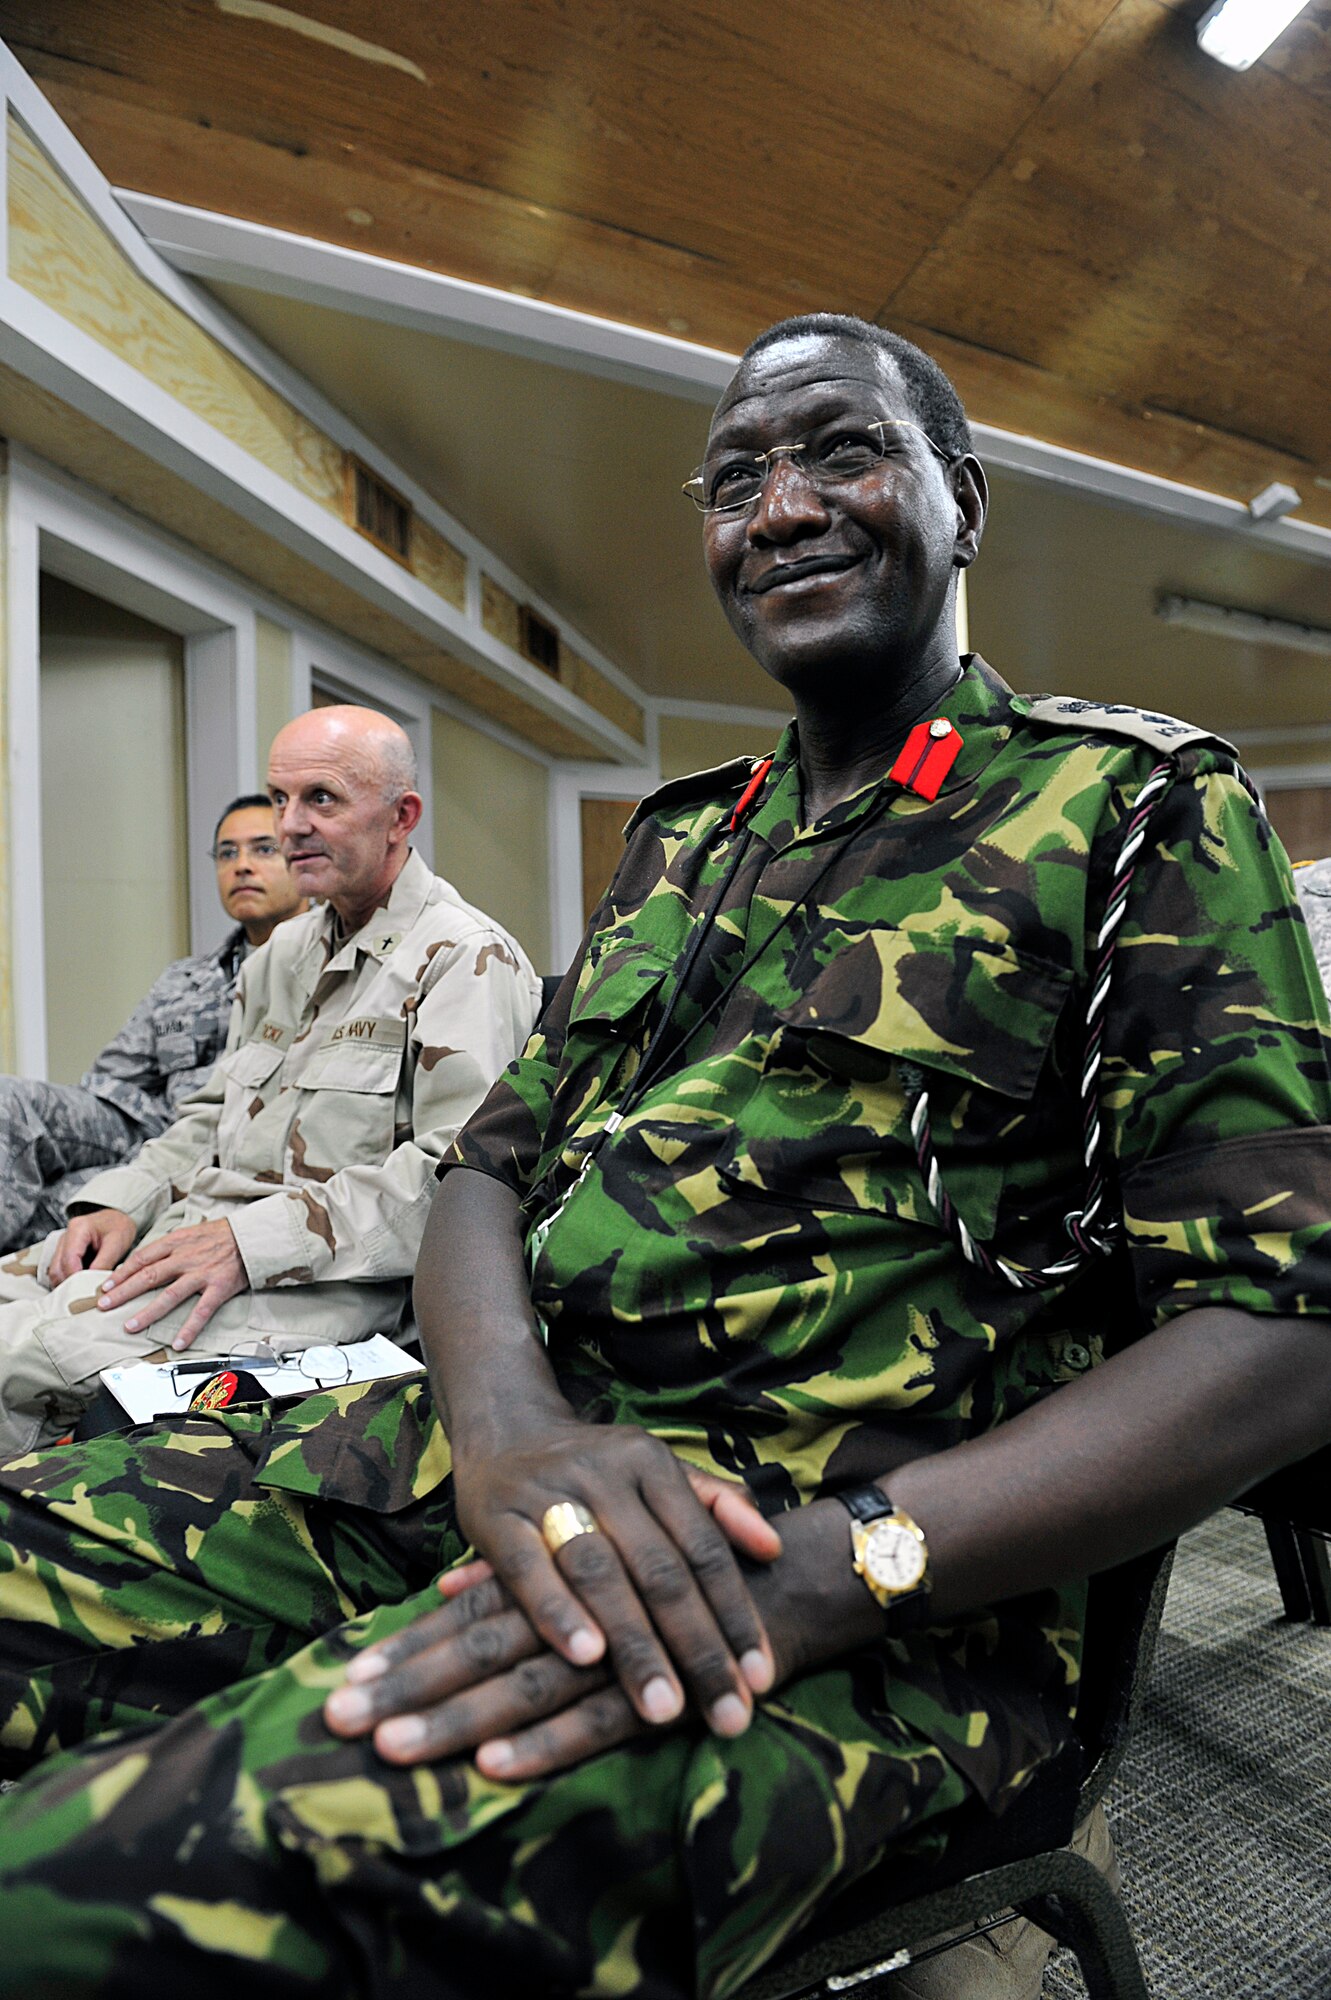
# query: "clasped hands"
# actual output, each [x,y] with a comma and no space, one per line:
[538,1659]
[201,1259]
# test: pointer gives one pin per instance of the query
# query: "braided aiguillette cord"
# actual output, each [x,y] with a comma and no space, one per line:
[1091,1238]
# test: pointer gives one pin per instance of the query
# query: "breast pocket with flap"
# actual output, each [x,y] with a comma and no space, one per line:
[250,1074]
[347,1097]
[609,1023]
[828,1124]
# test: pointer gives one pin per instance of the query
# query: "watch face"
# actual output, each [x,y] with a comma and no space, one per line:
[893,1557]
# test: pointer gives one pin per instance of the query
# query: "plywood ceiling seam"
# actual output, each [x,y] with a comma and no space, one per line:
[883,314]
[1036,184]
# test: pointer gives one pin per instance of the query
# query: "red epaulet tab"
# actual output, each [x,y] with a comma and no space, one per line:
[750,793]
[927,756]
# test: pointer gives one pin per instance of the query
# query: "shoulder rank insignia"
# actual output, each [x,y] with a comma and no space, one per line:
[1118,718]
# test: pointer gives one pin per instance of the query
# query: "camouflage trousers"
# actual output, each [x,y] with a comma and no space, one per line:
[174,1607]
[53,1137]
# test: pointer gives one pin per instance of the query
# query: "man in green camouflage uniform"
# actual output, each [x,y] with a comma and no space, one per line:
[741,1263]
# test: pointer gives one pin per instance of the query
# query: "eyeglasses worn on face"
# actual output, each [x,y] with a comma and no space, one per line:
[257,850]
[840,453]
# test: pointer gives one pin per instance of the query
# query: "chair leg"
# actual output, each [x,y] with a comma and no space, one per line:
[1283,1542]
[1085,1914]
[1316,1564]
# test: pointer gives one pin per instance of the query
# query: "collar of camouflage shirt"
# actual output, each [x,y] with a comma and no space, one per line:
[979,708]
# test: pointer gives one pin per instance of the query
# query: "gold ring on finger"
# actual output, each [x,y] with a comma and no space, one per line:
[564,1522]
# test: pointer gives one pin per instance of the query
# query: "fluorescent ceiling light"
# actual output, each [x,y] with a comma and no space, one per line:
[1236,32]
[1256,627]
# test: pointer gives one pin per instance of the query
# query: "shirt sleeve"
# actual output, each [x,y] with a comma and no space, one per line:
[365,1223]
[1216,1078]
[127,1072]
[514,1136]
[146,1186]
[506,1136]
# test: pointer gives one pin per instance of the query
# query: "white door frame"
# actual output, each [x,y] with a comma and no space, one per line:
[54,524]
[570,784]
[375,683]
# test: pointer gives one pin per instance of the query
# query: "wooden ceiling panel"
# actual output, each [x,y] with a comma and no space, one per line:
[1303,53]
[1114,242]
[652,163]
[1203,286]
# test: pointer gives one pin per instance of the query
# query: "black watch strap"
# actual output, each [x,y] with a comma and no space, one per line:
[866,1503]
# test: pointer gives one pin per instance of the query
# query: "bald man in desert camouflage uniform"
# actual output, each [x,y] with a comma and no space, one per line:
[285,1204]
[775,1196]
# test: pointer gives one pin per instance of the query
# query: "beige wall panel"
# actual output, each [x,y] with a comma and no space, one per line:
[490,830]
[438,564]
[272,689]
[581,678]
[1312,747]
[59,253]
[1302,818]
[7,1036]
[689,745]
[115,874]
[82,448]
[601,823]
[499,613]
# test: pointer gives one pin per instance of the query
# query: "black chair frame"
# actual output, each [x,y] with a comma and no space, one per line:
[1017,1863]
[1294,1507]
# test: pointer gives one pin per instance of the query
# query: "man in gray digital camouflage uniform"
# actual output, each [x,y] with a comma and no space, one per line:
[55,1136]
[285,1205]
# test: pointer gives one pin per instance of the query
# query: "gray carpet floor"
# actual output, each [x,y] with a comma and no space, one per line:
[1222,1812]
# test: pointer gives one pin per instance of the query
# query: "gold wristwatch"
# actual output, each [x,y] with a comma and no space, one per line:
[889,1553]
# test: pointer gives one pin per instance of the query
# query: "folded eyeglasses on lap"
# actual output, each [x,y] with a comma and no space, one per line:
[325,1367]
[842,451]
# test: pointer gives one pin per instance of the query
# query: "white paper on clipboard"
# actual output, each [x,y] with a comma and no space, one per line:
[144,1389]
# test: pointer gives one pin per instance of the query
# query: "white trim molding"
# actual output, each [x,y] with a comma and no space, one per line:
[50,351]
[1232,621]
[225,249]
[57,527]
[1291,777]
[209,245]
[570,784]
[81,372]
[23,722]
[681,709]
[1277,732]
